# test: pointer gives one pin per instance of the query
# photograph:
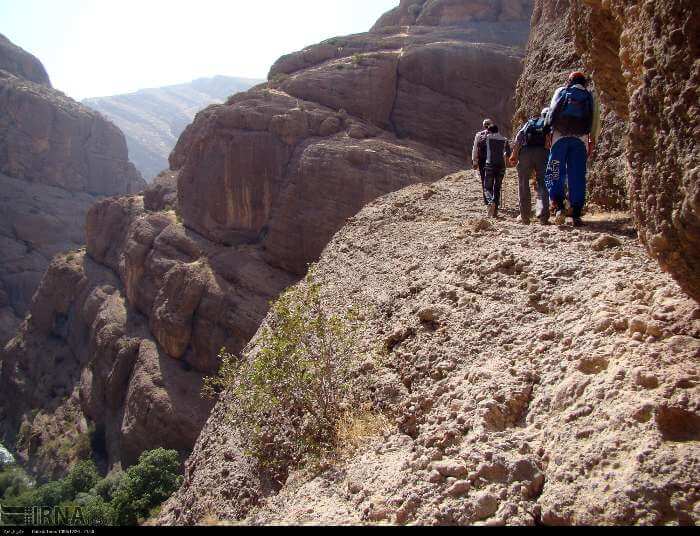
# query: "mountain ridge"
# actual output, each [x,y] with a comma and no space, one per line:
[152,119]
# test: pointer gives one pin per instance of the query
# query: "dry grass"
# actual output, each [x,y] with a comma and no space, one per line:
[355,429]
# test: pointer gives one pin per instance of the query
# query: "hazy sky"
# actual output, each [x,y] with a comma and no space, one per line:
[94,48]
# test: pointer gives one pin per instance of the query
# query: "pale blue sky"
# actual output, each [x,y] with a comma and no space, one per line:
[95,48]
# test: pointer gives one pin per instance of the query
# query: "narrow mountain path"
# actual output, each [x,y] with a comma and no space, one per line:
[537,375]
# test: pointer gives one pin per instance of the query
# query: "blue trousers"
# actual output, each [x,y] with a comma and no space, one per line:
[567,165]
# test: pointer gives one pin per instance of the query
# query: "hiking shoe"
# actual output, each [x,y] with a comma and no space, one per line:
[560,218]
[524,221]
[578,222]
[544,221]
[492,210]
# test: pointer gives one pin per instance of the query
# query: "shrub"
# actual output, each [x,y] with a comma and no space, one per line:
[82,477]
[13,481]
[98,512]
[289,395]
[146,485]
[106,487]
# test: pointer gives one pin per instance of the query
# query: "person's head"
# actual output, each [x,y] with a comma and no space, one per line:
[544,113]
[493,129]
[487,123]
[577,77]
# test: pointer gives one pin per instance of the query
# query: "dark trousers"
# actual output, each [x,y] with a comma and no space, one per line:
[493,180]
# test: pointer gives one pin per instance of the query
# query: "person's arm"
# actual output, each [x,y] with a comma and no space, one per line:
[518,143]
[595,130]
[475,152]
[552,107]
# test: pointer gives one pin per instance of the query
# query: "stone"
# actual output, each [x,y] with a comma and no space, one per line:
[606,242]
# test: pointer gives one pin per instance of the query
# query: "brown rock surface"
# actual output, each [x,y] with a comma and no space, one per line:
[56,159]
[21,63]
[529,401]
[129,330]
[655,86]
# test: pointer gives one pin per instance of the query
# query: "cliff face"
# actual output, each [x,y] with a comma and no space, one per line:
[339,122]
[655,86]
[551,56]
[153,119]
[15,60]
[529,376]
[257,188]
[56,159]
[644,62]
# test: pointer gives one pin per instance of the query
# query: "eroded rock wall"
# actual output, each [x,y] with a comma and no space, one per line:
[551,56]
[56,159]
[655,86]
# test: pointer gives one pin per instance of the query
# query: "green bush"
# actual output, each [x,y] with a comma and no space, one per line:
[82,477]
[13,481]
[290,394]
[146,485]
[106,487]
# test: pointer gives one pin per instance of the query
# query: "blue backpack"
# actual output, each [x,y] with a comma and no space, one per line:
[573,113]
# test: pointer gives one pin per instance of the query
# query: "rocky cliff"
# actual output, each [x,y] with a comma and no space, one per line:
[153,119]
[551,57]
[530,376]
[56,158]
[257,187]
[654,84]
[644,62]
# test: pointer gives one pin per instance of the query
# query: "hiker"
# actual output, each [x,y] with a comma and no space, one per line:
[574,116]
[530,154]
[497,150]
[479,152]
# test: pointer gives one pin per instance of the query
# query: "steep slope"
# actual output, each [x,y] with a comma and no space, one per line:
[153,119]
[532,375]
[56,158]
[15,60]
[257,187]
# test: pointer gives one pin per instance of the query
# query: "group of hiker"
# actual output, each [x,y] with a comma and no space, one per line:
[555,146]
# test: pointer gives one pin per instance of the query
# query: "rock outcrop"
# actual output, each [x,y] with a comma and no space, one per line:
[56,159]
[345,121]
[644,62]
[257,187]
[551,57]
[654,84]
[153,119]
[531,375]
[15,60]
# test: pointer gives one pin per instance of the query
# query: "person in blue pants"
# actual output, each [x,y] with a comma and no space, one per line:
[574,117]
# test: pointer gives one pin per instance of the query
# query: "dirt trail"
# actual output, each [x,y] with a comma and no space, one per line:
[538,374]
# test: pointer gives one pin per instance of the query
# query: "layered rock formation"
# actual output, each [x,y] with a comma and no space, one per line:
[153,119]
[340,112]
[56,158]
[257,187]
[529,375]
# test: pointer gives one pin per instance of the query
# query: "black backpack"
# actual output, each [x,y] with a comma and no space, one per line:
[573,113]
[536,133]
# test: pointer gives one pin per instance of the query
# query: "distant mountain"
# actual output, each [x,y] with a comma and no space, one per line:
[153,119]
